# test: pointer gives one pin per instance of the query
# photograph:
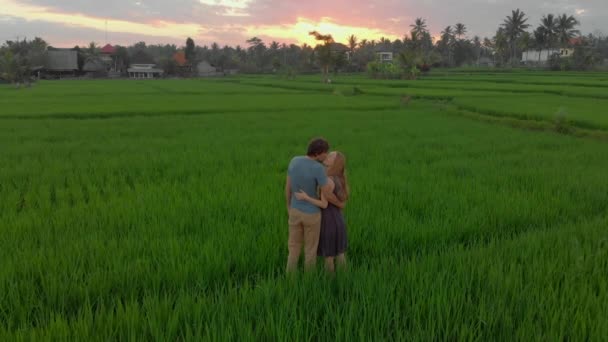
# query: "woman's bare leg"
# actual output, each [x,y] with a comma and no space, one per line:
[341,260]
[329,264]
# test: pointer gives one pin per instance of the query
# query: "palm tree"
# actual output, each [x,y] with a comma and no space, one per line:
[500,43]
[525,41]
[419,26]
[477,45]
[548,26]
[461,30]
[541,39]
[324,53]
[447,38]
[352,43]
[447,33]
[487,43]
[565,29]
[514,26]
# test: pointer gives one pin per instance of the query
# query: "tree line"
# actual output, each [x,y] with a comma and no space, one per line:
[416,52]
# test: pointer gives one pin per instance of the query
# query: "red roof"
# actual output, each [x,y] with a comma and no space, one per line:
[180,58]
[108,49]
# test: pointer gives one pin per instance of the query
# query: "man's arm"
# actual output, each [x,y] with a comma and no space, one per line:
[288,193]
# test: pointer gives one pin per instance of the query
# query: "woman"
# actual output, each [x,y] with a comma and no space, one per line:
[332,240]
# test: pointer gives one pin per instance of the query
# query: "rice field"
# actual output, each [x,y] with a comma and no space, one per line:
[154,210]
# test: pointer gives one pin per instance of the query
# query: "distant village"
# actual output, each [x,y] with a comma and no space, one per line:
[555,44]
[108,63]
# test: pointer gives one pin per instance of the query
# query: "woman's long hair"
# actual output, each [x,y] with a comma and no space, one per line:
[338,170]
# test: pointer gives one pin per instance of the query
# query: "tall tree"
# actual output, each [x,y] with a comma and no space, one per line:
[547,31]
[352,43]
[419,26]
[324,53]
[565,29]
[514,26]
[257,53]
[501,45]
[92,51]
[447,43]
[478,48]
[460,30]
[541,41]
[190,51]
[9,67]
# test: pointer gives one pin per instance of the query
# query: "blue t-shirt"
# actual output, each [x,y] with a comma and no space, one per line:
[306,174]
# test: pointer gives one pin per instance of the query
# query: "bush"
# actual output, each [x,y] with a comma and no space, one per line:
[383,70]
[561,121]
[555,62]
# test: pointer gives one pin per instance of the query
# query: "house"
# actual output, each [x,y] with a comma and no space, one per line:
[95,67]
[109,56]
[61,61]
[543,56]
[485,62]
[384,56]
[143,67]
[204,69]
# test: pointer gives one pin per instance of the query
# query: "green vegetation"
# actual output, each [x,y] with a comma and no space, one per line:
[154,210]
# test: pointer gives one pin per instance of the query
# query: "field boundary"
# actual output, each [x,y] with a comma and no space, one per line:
[531,124]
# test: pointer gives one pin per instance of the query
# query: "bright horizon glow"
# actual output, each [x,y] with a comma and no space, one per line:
[299,31]
[232,22]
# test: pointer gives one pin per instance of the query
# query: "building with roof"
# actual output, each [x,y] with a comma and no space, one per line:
[384,56]
[542,56]
[143,67]
[95,67]
[62,61]
[205,69]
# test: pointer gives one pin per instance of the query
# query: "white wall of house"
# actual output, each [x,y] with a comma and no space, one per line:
[542,56]
[385,57]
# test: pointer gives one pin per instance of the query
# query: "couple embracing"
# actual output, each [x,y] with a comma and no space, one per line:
[316,191]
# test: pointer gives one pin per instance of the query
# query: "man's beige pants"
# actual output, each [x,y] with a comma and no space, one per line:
[304,229]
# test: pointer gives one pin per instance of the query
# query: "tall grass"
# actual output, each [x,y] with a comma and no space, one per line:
[173,227]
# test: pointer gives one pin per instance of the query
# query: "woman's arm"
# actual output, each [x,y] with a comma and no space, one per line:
[328,192]
[321,203]
[339,203]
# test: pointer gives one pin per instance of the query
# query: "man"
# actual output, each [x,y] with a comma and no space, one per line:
[308,174]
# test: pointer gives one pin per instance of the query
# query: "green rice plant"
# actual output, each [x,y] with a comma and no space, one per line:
[157,213]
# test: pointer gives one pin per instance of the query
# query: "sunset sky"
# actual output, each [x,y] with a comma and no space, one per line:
[71,22]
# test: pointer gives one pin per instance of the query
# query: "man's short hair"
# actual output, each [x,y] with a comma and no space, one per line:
[317,146]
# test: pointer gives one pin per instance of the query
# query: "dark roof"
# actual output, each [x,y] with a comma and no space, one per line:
[140,57]
[62,60]
[94,65]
